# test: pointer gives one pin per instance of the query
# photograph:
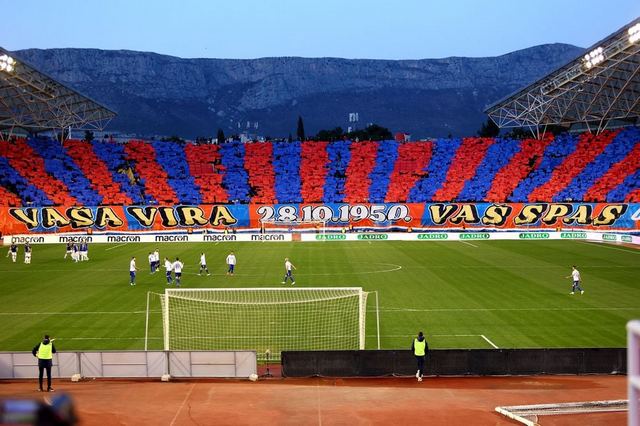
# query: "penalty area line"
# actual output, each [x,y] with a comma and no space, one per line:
[489,341]
[116,246]
[468,243]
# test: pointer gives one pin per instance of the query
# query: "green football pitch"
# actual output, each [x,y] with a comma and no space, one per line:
[480,294]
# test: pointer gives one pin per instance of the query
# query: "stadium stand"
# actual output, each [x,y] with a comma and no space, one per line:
[235,179]
[357,182]
[171,157]
[13,183]
[522,163]
[568,167]
[313,171]
[442,154]
[410,166]
[259,165]
[151,174]
[59,165]
[339,157]
[588,148]
[553,156]
[620,157]
[96,171]
[381,174]
[207,170]
[286,165]
[496,158]
[31,167]
[114,157]
[463,167]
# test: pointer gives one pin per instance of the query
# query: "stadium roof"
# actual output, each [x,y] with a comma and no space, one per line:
[601,85]
[31,100]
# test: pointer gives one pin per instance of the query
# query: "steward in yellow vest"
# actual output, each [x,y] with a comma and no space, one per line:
[44,352]
[419,347]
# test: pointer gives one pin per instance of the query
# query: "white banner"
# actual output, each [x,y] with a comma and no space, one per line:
[473,236]
[142,238]
[287,237]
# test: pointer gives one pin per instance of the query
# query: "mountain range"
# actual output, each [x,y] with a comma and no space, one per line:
[156,94]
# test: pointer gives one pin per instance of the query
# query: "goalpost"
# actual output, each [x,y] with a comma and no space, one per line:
[260,319]
[271,225]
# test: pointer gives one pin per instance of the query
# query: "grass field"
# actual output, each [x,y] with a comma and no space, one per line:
[484,294]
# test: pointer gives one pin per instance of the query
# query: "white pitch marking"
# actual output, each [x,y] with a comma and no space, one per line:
[506,309]
[182,405]
[369,310]
[73,313]
[489,341]
[467,242]
[605,245]
[116,246]
[393,268]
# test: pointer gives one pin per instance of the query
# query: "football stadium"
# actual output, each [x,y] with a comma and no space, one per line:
[174,274]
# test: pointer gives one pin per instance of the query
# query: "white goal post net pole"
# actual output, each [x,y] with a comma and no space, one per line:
[264,319]
[633,371]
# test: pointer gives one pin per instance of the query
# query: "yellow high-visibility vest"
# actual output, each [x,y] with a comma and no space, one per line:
[45,351]
[419,347]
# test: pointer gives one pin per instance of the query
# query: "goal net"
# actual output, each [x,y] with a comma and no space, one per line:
[293,226]
[261,319]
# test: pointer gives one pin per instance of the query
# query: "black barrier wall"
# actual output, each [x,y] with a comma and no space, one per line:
[455,362]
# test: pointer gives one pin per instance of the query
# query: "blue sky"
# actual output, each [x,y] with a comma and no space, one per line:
[391,29]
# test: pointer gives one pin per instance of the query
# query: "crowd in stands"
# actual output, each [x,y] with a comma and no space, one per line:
[565,168]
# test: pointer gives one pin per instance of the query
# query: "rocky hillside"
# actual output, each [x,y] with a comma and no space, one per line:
[156,94]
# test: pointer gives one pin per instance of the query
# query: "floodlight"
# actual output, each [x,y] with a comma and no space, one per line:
[634,33]
[593,58]
[7,63]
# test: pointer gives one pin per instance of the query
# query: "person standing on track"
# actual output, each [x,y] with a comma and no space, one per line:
[419,347]
[231,263]
[575,274]
[288,274]
[44,352]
